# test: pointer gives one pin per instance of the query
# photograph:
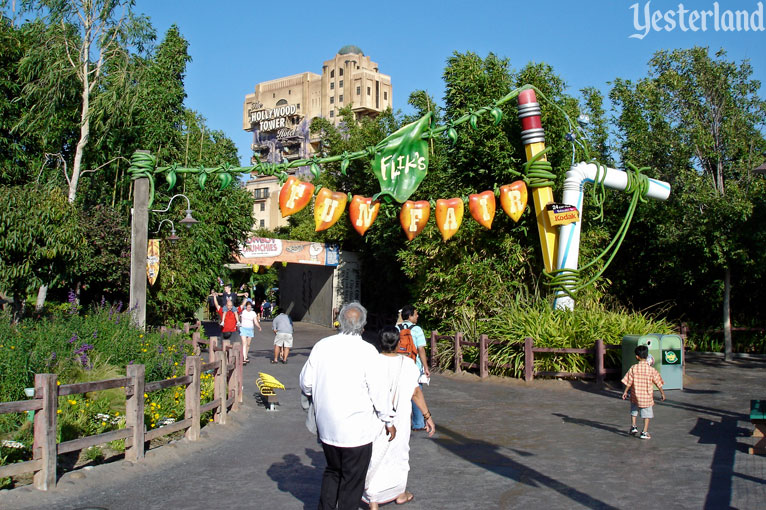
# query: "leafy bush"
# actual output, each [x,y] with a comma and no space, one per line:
[534,317]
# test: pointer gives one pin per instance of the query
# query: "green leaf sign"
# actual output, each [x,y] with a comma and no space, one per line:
[401,162]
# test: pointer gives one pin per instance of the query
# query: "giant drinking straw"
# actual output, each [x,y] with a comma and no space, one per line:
[533,137]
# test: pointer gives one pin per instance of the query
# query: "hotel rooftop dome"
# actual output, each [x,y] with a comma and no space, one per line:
[350,48]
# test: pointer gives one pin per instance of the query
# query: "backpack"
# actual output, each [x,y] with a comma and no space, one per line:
[406,343]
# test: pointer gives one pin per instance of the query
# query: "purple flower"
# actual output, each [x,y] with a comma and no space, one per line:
[119,306]
[103,300]
[73,339]
[95,334]
[159,349]
[72,296]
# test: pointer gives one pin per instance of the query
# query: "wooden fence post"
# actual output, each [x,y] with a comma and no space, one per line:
[192,403]
[240,363]
[186,327]
[483,356]
[195,343]
[458,352]
[529,359]
[220,387]
[432,361]
[44,447]
[211,348]
[233,382]
[600,351]
[134,412]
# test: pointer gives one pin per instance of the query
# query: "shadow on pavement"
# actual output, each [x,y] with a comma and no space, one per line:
[487,456]
[723,435]
[300,480]
[591,423]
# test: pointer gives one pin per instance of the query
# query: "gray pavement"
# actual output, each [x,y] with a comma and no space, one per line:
[499,444]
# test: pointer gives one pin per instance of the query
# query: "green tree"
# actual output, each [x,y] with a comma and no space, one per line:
[93,38]
[41,239]
[699,120]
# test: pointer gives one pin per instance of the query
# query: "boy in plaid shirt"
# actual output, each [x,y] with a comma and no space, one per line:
[640,379]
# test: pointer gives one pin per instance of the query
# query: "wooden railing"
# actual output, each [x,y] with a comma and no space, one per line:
[483,364]
[225,364]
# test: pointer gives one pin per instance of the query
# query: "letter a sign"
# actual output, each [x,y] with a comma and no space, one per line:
[402,162]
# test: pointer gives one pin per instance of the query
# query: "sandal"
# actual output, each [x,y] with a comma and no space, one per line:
[408,497]
[274,362]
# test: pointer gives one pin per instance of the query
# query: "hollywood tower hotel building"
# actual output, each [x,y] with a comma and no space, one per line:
[280,111]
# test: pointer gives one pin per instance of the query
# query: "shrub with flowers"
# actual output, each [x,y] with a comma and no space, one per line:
[83,347]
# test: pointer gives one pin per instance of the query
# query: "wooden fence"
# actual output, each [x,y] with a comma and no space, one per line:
[225,364]
[483,365]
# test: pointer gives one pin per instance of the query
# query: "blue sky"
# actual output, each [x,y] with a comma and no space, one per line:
[235,44]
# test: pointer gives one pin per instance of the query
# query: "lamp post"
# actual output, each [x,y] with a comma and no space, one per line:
[139,233]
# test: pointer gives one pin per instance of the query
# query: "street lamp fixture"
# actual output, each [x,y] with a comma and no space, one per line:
[173,237]
[189,219]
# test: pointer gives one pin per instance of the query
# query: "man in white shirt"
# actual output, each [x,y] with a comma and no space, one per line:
[347,381]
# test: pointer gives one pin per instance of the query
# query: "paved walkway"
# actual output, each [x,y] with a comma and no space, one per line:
[499,444]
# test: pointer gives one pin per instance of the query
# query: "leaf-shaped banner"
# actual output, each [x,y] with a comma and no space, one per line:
[328,207]
[363,212]
[513,199]
[294,196]
[449,216]
[414,216]
[402,163]
[482,207]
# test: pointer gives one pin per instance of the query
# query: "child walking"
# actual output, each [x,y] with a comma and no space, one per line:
[639,382]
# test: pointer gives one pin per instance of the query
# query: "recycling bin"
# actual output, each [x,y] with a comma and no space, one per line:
[665,355]
[671,362]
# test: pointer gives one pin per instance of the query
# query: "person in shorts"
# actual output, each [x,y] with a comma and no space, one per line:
[639,382]
[283,327]
[248,322]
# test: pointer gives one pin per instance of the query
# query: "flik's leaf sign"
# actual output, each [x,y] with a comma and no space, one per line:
[482,207]
[513,199]
[328,207]
[402,161]
[363,212]
[414,216]
[294,195]
[449,216]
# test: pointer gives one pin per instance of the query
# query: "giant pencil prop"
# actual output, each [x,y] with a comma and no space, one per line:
[533,137]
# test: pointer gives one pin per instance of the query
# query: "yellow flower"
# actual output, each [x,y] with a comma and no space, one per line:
[176,363]
[103,423]
[13,347]
[58,383]
[146,396]
[58,411]
[144,350]
[116,413]
[140,336]
[72,402]
[152,425]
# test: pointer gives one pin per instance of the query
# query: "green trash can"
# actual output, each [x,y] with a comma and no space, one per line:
[665,355]
[671,362]
[629,344]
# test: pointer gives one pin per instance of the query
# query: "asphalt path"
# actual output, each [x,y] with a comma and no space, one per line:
[500,444]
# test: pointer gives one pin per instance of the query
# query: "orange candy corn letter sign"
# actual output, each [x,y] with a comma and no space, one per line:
[449,216]
[513,199]
[363,212]
[482,207]
[414,217]
[328,207]
[294,196]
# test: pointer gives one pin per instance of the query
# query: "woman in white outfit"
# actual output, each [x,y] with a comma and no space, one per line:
[390,464]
